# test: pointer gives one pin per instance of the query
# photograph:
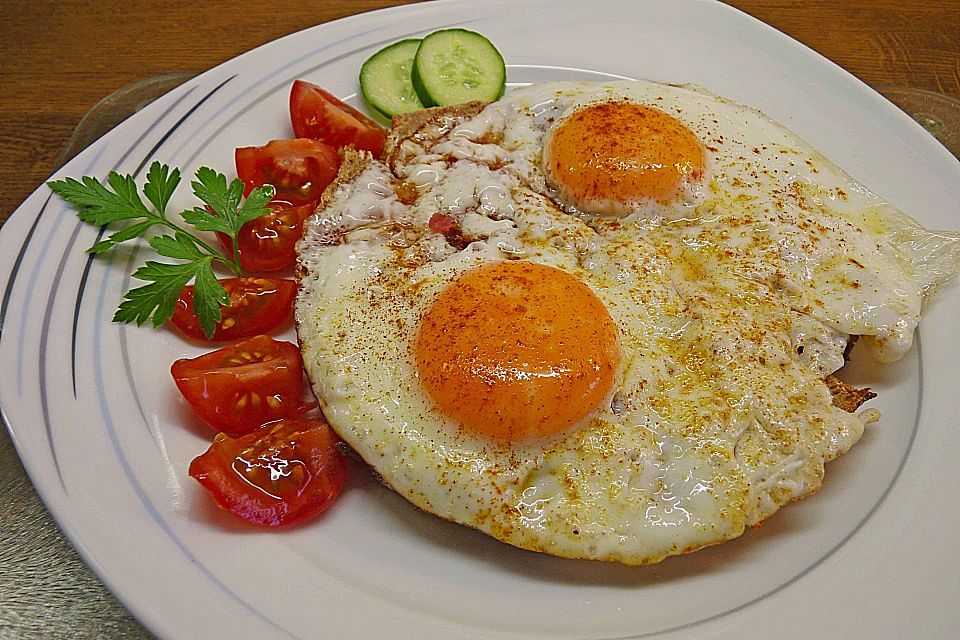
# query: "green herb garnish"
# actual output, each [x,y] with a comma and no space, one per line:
[118,201]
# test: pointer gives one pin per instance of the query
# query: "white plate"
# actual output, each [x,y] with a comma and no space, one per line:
[107,441]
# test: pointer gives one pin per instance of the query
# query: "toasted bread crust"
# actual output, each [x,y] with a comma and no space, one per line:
[405,126]
[411,125]
[845,396]
[352,165]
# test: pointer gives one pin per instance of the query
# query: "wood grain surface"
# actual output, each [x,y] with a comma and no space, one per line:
[57,59]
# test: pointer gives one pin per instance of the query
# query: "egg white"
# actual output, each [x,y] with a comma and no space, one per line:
[732,303]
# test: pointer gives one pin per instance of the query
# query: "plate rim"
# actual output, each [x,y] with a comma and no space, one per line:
[77,539]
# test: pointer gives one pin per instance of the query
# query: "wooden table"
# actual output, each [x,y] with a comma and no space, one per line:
[57,59]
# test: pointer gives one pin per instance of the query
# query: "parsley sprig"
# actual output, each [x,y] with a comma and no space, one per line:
[119,201]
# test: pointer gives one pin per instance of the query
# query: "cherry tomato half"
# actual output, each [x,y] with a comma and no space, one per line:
[283,474]
[242,387]
[256,305]
[317,114]
[298,169]
[269,242]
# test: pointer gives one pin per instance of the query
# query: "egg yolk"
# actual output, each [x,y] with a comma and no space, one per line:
[515,350]
[608,158]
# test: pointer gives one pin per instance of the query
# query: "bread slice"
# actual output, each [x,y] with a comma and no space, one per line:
[352,164]
[413,132]
[418,128]
[845,396]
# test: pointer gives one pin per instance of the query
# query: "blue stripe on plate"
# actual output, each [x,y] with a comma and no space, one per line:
[16,263]
[839,545]
[108,422]
[51,299]
[146,158]
[21,345]
[288,78]
[141,493]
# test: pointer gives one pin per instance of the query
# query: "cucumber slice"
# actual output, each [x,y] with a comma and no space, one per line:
[456,65]
[385,79]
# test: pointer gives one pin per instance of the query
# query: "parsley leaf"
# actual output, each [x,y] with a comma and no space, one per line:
[97,204]
[212,188]
[159,298]
[128,233]
[119,201]
[255,205]
[225,213]
[161,183]
[180,246]
[210,295]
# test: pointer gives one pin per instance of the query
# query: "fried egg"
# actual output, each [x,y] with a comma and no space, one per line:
[595,320]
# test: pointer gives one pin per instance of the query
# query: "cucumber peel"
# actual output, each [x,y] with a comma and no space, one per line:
[454,66]
[386,79]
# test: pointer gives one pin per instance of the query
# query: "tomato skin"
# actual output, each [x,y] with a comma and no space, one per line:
[269,242]
[316,113]
[256,305]
[281,475]
[298,169]
[442,223]
[242,387]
